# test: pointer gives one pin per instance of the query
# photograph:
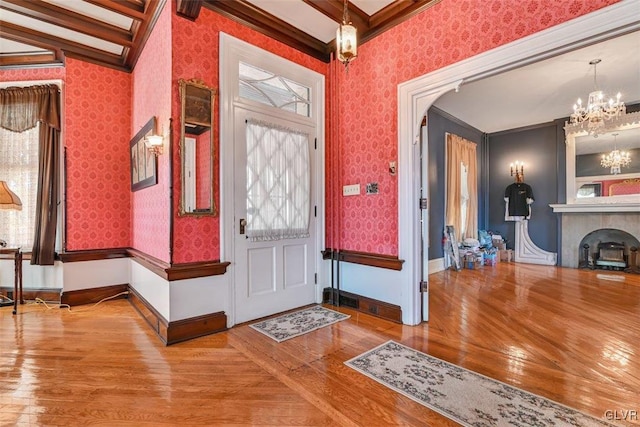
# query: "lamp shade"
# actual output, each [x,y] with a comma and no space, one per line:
[347,42]
[9,199]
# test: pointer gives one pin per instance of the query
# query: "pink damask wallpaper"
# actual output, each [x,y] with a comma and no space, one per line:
[195,55]
[151,90]
[97,111]
[366,138]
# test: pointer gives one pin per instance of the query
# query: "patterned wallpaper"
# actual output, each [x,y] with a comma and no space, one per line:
[97,112]
[151,87]
[195,55]
[367,124]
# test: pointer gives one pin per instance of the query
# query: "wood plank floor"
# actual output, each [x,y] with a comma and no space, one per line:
[570,335]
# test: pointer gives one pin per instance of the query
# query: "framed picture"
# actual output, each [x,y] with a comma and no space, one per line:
[144,164]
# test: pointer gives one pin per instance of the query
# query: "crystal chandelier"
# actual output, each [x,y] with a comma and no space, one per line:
[597,110]
[616,159]
[346,39]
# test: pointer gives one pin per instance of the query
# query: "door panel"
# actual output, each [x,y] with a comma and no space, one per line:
[269,276]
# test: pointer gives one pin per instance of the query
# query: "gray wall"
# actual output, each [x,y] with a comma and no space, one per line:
[536,146]
[439,123]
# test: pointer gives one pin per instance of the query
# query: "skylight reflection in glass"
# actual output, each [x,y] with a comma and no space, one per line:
[273,90]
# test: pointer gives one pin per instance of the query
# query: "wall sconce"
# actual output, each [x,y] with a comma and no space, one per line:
[155,143]
[517,170]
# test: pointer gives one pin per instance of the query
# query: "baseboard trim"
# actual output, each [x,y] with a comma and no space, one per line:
[367,305]
[180,330]
[92,254]
[365,258]
[92,295]
[45,294]
[436,265]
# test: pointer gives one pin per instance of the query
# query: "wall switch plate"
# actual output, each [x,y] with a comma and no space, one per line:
[372,188]
[351,190]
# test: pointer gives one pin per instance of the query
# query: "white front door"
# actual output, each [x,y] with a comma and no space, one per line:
[274,262]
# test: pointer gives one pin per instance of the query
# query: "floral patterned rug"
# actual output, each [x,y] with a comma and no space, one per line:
[464,396]
[297,323]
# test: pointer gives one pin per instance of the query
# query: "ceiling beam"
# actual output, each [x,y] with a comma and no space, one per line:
[65,18]
[36,38]
[247,14]
[23,60]
[131,9]
[142,31]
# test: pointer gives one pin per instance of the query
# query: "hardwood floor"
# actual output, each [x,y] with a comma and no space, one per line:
[570,335]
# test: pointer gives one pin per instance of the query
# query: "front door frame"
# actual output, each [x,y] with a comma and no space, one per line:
[231,49]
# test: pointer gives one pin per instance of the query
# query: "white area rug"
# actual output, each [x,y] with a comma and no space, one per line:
[297,323]
[464,396]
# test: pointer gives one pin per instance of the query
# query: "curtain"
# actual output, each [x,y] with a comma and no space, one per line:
[278,182]
[462,186]
[21,109]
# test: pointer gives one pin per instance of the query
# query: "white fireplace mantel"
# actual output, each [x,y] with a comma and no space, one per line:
[596,207]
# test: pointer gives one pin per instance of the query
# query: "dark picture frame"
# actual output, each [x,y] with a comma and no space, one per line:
[144,164]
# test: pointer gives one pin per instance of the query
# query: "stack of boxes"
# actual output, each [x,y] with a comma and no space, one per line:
[504,254]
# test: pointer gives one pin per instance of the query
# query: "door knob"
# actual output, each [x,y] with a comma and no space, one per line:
[243,224]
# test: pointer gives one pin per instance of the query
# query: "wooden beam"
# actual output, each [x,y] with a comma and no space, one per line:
[141,32]
[36,38]
[68,19]
[253,17]
[132,9]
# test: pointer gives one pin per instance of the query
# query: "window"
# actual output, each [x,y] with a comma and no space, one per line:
[19,168]
[273,90]
[278,182]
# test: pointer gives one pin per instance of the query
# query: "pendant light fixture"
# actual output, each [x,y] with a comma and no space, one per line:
[346,39]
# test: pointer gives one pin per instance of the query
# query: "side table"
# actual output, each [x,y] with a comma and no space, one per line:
[16,254]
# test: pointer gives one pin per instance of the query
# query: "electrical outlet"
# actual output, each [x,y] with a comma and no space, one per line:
[372,188]
[351,190]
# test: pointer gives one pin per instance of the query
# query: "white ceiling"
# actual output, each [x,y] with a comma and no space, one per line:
[545,91]
[311,21]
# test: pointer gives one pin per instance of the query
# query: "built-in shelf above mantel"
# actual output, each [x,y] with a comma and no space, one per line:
[596,207]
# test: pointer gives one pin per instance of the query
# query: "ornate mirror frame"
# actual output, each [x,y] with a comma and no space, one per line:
[196,148]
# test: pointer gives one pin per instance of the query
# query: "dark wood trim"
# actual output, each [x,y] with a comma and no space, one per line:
[30,60]
[365,305]
[30,294]
[70,20]
[364,258]
[133,10]
[180,330]
[196,269]
[151,263]
[179,271]
[257,19]
[92,295]
[194,327]
[141,32]
[189,9]
[93,255]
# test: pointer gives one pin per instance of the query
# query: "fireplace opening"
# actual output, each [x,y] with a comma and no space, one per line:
[610,249]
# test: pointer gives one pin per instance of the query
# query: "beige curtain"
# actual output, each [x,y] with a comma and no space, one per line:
[462,196]
[21,109]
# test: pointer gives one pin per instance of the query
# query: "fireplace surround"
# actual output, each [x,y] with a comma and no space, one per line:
[578,224]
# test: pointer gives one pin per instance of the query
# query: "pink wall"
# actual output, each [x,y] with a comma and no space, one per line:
[151,83]
[96,111]
[366,134]
[97,122]
[195,55]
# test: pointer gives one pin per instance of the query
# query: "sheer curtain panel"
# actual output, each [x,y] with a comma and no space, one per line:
[278,182]
[462,186]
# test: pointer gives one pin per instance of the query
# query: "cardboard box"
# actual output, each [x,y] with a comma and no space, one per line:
[506,255]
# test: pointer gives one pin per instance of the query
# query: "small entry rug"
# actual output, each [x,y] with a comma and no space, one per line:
[297,323]
[464,396]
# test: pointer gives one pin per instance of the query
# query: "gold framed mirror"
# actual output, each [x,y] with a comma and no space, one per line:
[196,148]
